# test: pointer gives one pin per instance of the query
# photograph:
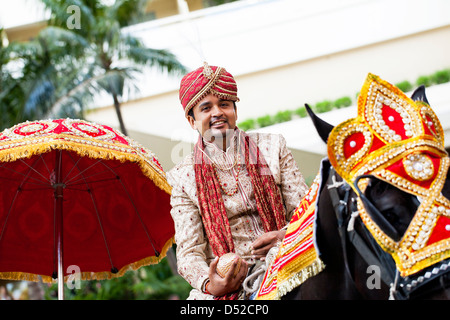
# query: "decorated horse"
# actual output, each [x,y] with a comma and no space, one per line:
[375,223]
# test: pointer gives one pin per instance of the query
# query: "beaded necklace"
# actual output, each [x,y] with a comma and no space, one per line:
[236,178]
[224,168]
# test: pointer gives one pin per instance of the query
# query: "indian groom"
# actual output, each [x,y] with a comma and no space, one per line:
[234,193]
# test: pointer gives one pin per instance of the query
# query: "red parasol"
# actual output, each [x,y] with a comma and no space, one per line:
[75,193]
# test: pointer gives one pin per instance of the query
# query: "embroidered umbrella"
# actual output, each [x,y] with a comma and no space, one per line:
[80,195]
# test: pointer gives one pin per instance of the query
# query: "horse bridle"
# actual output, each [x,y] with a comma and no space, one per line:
[401,288]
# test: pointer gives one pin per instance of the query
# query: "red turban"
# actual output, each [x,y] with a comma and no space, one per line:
[203,81]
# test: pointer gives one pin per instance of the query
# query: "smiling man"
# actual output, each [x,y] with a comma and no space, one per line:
[234,193]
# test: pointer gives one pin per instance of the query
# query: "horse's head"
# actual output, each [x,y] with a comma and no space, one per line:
[393,157]
[389,207]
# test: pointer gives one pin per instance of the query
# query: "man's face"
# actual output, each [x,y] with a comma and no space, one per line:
[213,117]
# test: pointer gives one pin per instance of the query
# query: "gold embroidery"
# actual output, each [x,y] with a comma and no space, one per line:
[401,142]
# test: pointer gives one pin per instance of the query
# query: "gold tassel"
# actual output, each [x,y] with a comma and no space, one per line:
[297,279]
[294,280]
[102,275]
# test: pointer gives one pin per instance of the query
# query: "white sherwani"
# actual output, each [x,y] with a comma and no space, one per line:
[194,253]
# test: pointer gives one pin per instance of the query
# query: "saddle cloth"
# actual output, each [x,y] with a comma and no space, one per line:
[298,258]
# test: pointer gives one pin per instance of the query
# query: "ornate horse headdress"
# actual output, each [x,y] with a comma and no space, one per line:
[399,141]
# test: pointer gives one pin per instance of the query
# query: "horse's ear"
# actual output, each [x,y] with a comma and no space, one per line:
[419,95]
[323,128]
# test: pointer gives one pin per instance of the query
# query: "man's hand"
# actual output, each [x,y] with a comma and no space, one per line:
[219,286]
[265,242]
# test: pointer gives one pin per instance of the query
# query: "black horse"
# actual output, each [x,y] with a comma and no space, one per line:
[352,257]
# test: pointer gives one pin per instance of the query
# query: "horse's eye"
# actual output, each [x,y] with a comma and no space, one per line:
[390,215]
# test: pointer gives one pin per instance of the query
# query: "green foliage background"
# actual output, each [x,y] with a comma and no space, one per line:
[154,282]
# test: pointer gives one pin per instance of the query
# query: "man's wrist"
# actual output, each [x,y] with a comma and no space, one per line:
[205,286]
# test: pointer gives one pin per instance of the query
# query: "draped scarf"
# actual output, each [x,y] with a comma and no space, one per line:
[214,216]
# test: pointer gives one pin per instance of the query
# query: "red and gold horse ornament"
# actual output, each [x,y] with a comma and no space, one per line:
[401,142]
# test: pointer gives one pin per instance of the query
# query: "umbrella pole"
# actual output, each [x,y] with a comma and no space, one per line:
[59,186]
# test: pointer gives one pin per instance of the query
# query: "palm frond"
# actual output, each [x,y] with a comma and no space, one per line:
[126,12]
[86,88]
[60,12]
[60,36]
[162,59]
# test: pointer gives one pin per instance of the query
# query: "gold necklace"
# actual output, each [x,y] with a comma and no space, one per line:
[224,168]
[223,185]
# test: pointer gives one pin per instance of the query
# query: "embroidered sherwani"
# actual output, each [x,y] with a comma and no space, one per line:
[194,253]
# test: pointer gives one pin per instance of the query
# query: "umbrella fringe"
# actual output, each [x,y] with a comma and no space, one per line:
[23,276]
[103,275]
[88,149]
[106,275]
